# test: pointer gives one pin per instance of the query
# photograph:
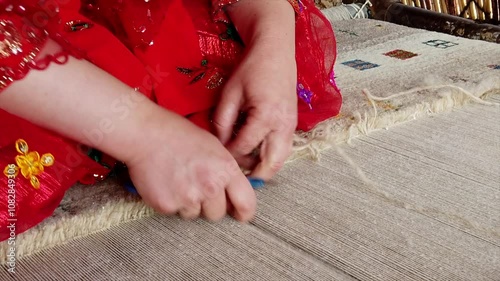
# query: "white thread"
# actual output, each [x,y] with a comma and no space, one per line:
[431,212]
[372,186]
[344,12]
[372,98]
[437,87]
[367,2]
[355,166]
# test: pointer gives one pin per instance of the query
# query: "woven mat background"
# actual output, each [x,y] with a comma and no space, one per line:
[440,59]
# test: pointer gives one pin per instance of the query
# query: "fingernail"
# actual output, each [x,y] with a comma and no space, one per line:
[256,182]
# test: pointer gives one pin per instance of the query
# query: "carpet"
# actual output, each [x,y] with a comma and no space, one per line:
[433,72]
[430,212]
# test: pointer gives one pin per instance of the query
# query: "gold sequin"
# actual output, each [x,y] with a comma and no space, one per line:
[22,146]
[11,44]
[10,40]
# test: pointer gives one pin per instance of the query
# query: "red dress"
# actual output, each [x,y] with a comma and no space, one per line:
[178,53]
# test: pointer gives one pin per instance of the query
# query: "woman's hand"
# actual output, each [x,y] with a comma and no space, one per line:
[180,168]
[263,86]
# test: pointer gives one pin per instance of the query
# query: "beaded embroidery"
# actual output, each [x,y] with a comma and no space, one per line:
[198,73]
[29,163]
[11,45]
[78,25]
[22,40]
[230,34]
[10,40]
[304,94]
[219,13]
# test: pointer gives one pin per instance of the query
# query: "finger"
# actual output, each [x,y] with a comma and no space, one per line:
[274,152]
[189,201]
[215,208]
[229,205]
[226,114]
[242,198]
[165,203]
[248,162]
[214,200]
[189,213]
[251,135]
[165,206]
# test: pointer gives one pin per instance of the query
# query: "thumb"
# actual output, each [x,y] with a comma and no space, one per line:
[273,154]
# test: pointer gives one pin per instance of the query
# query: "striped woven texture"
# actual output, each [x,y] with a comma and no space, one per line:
[483,10]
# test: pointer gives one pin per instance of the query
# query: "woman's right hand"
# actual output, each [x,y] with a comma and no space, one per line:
[179,168]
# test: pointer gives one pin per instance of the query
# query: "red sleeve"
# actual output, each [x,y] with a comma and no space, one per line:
[25,28]
[20,43]
[219,13]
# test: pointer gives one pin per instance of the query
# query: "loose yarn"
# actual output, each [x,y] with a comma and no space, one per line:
[372,186]
[348,11]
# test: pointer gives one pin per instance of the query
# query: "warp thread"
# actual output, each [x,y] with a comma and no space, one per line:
[372,186]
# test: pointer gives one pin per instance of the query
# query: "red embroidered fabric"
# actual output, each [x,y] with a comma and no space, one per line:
[22,37]
[219,14]
[316,52]
[23,206]
[19,45]
[25,27]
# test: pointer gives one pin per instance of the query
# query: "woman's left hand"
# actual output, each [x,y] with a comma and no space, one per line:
[263,88]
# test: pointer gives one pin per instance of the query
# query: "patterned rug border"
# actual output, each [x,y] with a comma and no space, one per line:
[446,98]
[325,135]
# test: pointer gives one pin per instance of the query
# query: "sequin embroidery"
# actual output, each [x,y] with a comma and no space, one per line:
[216,78]
[10,40]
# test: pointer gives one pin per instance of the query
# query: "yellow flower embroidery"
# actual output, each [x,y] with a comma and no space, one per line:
[29,163]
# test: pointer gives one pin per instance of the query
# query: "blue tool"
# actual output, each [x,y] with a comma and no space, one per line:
[255,182]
